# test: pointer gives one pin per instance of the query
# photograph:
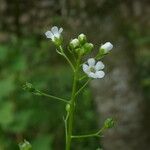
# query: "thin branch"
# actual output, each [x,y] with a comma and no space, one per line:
[84,85]
[65,56]
[85,136]
[53,97]
[97,134]
[83,77]
[101,130]
[70,63]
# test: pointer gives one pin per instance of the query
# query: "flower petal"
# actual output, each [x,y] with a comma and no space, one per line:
[100,74]
[60,30]
[91,61]
[86,68]
[92,75]
[49,34]
[99,65]
[54,30]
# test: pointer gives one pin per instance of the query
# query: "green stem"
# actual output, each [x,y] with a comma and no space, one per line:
[101,130]
[97,134]
[83,77]
[53,97]
[85,136]
[66,126]
[98,57]
[65,56]
[72,107]
[84,85]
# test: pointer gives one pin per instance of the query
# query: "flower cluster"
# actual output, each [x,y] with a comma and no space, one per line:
[81,47]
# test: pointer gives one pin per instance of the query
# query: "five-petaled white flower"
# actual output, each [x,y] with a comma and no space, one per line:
[107,47]
[93,69]
[54,33]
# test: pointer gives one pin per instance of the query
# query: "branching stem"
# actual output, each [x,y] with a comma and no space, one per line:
[72,106]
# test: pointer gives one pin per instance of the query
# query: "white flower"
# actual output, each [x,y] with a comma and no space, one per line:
[107,47]
[93,69]
[54,33]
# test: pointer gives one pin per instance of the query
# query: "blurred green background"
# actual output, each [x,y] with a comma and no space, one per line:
[26,55]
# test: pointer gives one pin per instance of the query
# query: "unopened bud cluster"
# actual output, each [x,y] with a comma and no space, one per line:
[80,45]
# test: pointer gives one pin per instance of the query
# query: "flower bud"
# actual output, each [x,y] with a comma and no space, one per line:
[68,107]
[88,47]
[109,123]
[106,47]
[85,49]
[82,38]
[74,43]
[25,146]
